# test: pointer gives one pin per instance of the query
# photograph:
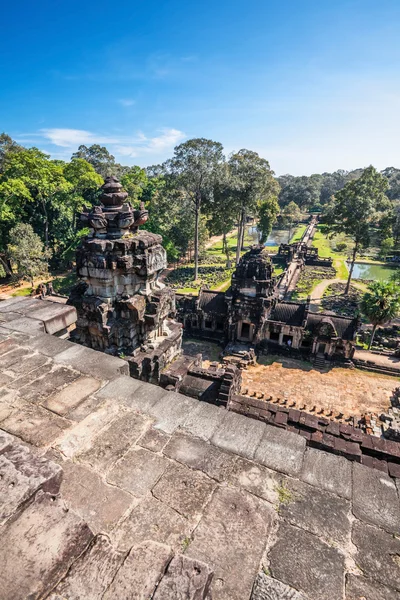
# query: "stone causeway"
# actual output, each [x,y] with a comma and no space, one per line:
[111,488]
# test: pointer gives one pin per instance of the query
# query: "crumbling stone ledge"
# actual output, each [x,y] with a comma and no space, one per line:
[325,434]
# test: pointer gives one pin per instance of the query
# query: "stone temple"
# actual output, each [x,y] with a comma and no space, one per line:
[123,308]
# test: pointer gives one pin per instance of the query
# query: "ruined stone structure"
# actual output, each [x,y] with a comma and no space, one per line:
[122,306]
[251,312]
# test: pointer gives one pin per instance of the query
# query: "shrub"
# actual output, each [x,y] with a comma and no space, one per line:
[340,246]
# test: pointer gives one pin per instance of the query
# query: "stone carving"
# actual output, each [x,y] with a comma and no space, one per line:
[122,306]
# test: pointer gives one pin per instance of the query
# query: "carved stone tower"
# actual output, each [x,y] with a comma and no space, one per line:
[123,308]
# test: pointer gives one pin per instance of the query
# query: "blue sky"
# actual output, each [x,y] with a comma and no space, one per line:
[312,85]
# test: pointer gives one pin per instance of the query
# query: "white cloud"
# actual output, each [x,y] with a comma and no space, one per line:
[138,144]
[126,102]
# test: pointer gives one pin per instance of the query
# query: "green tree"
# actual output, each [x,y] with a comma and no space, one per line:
[380,304]
[85,183]
[268,210]
[42,178]
[303,191]
[27,253]
[134,181]
[251,181]
[194,169]
[99,157]
[291,214]
[387,246]
[354,209]
[7,146]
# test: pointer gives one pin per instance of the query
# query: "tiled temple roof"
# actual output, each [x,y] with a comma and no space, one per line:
[291,313]
[212,302]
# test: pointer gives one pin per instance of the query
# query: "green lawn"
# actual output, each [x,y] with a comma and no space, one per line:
[22,292]
[327,248]
[298,234]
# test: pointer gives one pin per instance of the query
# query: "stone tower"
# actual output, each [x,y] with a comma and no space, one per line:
[123,308]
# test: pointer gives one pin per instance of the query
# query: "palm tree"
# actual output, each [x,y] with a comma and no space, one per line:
[380,304]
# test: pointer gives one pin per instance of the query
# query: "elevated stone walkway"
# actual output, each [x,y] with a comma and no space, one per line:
[112,488]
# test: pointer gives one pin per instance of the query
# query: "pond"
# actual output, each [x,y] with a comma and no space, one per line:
[275,238]
[371,272]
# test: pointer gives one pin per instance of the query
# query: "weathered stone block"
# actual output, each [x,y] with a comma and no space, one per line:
[154,440]
[204,420]
[140,573]
[360,587]
[185,579]
[317,464]
[239,434]
[197,454]
[316,511]
[112,442]
[256,479]
[267,588]
[38,548]
[97,503]
[231,538]
[138,471]
[281,450]
[39,389]
[184,490]
[91,575]
[302,561]
[33,424]
[68,398]
[377,554]
[152,520]
[99,365]
[375,498]
[171,411]
[22,474]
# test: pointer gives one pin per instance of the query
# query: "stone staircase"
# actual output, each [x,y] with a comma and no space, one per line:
[48,551]
[320,363]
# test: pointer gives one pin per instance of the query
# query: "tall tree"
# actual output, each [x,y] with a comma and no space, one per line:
[134,181]
[251,181]
[99,157]
[380,304]
[267,210]
[194,168]
[84,182]
[354,209]
[43,179]
[27,253]
[291,214]
[222,210]
[7,147]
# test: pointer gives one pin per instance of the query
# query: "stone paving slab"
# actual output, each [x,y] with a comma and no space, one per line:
[40,389]
[140,573]
[138,471]
[375,498]
[92,574]
[305,563]
[184,490]
[185,579]
[360,587]
[317,464]
[38,548]
[33,424]
[257,480]
[197,454]
[281,450]
[55,317]
[69,398]
[152,520]
[171,411]
[204,420]
[85,492]
[20,382]
[114,440]
[377,554]
[267,588]
[154,440]
[90,362]
[317,511]
[22,474]
[25,325]
[239,434]
[231,538]
[122,389]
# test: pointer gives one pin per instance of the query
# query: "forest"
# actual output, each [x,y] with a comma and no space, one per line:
[197,193]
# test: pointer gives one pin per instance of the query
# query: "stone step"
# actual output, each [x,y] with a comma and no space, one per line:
[38,548]
[22,474]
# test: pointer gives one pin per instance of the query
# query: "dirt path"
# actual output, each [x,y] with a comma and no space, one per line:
[318,291]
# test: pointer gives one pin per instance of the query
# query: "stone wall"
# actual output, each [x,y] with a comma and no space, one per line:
[325,434]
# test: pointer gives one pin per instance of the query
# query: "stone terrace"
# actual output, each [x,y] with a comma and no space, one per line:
[111,488]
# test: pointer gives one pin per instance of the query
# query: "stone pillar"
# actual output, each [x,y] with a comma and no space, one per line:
[280,341]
